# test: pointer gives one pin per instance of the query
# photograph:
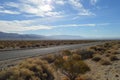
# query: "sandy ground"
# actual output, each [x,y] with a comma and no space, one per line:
[104,72]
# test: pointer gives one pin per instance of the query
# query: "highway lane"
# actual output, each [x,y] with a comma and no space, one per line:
[6,55]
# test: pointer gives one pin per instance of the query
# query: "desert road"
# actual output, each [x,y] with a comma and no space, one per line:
[6,55]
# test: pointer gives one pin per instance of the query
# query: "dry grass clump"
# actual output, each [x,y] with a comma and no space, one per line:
[71,67]
[2,47]
[31,69]
[98,49]
[76,57]
[105,48]
[65,78]
[113,51]
[66,53]
[50,58]
[96,59]
[108,55]
[105,62]
[85,54]
[110,51]
[83,77]
[79,78]
[116,52]
[108,45]
[114,58]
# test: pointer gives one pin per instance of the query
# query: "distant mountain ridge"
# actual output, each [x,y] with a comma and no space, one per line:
[66,37]
[15,36]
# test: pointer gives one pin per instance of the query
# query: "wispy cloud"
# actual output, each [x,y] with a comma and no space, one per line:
[36,7]
[5,11]
[8,12]
[79,6]
[61,2]
[15,26]
[75,25]
[32,25]
[45,8]
[93,2]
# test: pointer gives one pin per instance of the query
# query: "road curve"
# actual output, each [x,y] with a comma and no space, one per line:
[6,55]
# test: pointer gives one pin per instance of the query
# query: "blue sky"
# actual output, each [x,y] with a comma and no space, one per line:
[87,18]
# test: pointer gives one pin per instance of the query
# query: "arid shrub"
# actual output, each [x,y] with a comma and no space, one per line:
[23,46]
[2,47]
[97,49]
[85,54]
[96,59]
[31,69]
[66,57]
[79,79]
[83,77]
[116,52]
[93,48]
[107,55]
[59,62]
[74,68]
[105,62]
[65,78]
[114,58]
[107,45]
[76,57]
[49,58]
[66,53]
[71,68]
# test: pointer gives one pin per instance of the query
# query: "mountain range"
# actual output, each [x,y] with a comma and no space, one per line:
[16,36]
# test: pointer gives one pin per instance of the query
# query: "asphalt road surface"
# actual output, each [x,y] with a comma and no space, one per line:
[6,55]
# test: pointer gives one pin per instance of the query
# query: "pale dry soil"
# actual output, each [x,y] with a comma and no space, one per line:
[104,72]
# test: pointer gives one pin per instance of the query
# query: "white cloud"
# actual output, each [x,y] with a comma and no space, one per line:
[15,26]
[76,25]
[93,2]
[82,25]
[79,6]
[28,25]
[47,8]
[12,4]
[61,2]
[43,8]
[9,12]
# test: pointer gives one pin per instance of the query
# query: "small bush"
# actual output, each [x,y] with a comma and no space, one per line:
[116,52]
[107,45]
[96,59]
[76,57]
[71,68]
[85,54]
[31,69]
[66,53]
[79,78]
[98,49]
[113,58]
[59,61]
[23,46]
[107,55]
[65,78]
[2,47]
[105,62]
[50,58]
